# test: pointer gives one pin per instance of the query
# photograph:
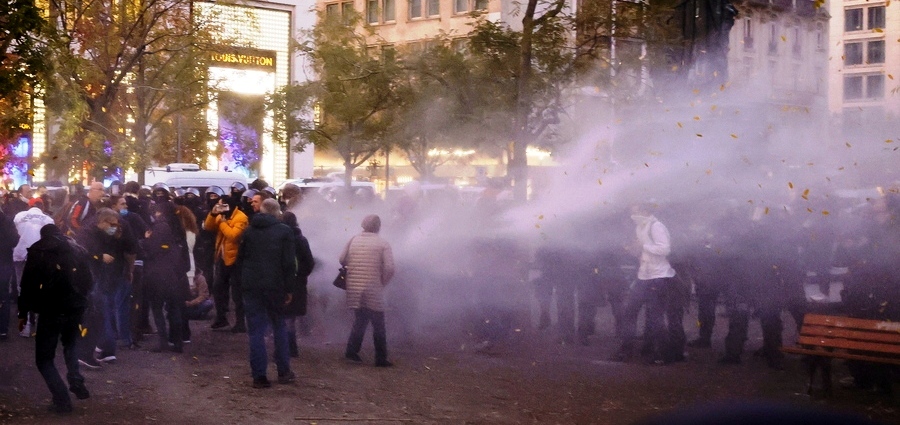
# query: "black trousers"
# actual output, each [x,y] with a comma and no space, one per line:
[50,331]
[379,335]
[228,281]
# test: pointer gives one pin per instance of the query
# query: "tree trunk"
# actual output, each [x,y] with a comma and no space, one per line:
[518,162]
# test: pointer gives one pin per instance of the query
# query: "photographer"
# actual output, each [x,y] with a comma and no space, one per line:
[229,223]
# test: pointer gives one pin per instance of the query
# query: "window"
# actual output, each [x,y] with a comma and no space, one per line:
[434,7]
[342,9]
[876,17]
[863,87]
[460,45]
[853,54]
[853,20]
[332,9]
[875,87]
[853,87]
[875,51]
[483,5]
[415,9]
[864,53]
[380,11]
[748,33]
[460,6]
[797,46]
[773,39]
[820,36]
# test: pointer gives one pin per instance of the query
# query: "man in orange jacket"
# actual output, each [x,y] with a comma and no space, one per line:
[227,220]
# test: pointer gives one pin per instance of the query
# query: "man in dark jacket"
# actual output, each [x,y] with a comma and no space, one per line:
[268,265]
[55,284]
[9,238]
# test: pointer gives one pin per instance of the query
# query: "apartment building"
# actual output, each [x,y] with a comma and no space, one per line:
[864,64]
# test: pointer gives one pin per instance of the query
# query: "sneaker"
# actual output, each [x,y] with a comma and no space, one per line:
[287,379]
[219,324]
[90,364]
[383,363]
[80,391]
[353,357]
[26,331]
[261,382]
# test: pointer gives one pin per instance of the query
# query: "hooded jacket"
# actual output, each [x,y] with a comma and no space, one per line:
[267,256]
[57,278]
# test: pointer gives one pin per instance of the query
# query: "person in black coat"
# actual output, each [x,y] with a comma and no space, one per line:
[55,284]
[165,265]
[268,272]
[9,238]
[296,310]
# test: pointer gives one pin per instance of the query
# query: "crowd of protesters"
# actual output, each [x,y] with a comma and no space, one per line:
[177,255]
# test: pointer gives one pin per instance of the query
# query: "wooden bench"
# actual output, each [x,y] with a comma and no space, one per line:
[825,337]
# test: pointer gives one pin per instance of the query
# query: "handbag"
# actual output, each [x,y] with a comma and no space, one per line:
[341,280]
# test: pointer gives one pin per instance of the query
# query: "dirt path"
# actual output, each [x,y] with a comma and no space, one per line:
[531,380]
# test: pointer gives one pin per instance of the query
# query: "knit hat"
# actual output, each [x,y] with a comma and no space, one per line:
[372,223]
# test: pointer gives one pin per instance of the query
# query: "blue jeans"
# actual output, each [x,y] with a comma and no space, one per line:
[123,306]
[51,330]
[262,309]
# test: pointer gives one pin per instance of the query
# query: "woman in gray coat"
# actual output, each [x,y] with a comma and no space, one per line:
[370,266]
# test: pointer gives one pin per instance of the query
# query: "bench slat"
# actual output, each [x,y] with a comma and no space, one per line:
[848,344]
[840,355]
[851,322]
[852,334]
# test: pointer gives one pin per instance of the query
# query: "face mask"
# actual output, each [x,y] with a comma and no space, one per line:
[123,212]
[111,230]
[640,219]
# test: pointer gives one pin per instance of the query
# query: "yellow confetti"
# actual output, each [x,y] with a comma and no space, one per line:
[83,330]
[766,211]
[680,125]
[541,217]
[783,38]
[890,76]
[31,173]
[733,136]
[696,91]
[889,141]
[722,87]
[841,169]
[790,185]
[809,210]
[647,165]
[713,108]
[879,30]
[696,118]
[847,144]
[699,135]
[600,182]
[825,212]
[708,172]
[805,194]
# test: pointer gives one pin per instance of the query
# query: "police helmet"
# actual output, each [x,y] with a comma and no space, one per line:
[192,191]
[214,190]
[248,194]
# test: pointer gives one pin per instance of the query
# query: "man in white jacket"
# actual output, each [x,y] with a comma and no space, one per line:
[28,224]
[655,281]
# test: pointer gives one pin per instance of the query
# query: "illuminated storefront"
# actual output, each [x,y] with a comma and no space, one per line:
[242,75]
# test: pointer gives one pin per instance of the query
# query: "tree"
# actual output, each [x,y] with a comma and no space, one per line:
[522,77]
[351,106]
[434,115]
[128,67]
[25,60]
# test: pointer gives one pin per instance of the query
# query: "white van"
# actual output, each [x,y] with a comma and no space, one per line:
[190,175]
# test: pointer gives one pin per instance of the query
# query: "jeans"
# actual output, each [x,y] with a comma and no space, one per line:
[6,280]
[263,309]
[379,335]
[109,312]
[51,330]
[650,293]
[122,311]
[196,312]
